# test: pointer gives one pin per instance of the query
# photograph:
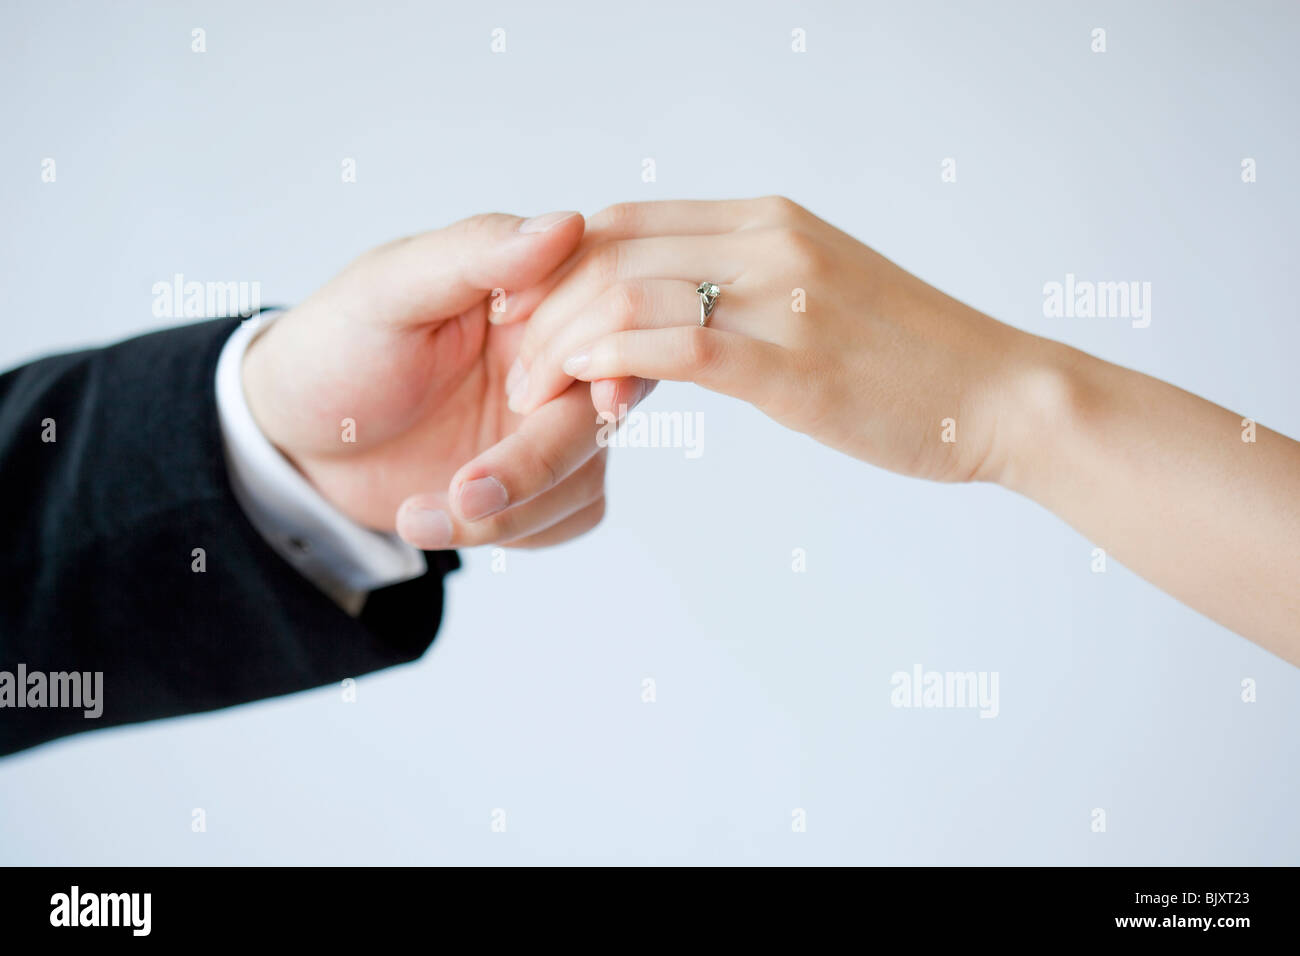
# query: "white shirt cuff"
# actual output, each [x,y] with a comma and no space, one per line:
[344,559]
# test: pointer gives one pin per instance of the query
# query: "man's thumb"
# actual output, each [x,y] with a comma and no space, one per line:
[459,265]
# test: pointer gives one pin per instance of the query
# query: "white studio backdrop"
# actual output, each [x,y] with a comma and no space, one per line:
[772,687]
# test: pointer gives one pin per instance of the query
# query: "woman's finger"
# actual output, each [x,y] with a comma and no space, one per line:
[721,259]
[686,217]
[634,304]
[737,365]
[644,220]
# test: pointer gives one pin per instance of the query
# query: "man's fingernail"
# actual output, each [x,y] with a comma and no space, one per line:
[513,376]
[515,402]
[427,528]
[482,497]
[574,364]
[542,223]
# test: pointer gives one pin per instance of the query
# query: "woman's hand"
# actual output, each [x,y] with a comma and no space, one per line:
[812,327]
[831,339]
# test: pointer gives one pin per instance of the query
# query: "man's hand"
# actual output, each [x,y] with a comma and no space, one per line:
[383,384]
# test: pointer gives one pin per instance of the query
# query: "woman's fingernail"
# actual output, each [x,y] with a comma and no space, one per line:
[574,364]
[482,497]
[427,528]
[542,223]
[512,377]
[515,402]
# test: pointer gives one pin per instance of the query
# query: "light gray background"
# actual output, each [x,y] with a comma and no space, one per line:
[773,687]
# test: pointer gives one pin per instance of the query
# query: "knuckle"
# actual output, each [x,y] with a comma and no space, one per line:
[502,527]
[700,348]
[798,250]
[485,222]
[602,263]
[626,302]
[533,467]
[780,209]
[616,219]
[544,464]
[510,525]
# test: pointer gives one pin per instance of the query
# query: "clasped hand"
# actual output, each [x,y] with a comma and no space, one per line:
[454,354]
[463,356]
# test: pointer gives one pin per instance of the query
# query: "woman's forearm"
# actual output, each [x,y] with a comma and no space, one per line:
[1200,502]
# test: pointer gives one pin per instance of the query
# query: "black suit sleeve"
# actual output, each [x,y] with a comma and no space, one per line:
[99,535]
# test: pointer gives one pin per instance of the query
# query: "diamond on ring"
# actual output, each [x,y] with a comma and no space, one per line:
[708,293]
